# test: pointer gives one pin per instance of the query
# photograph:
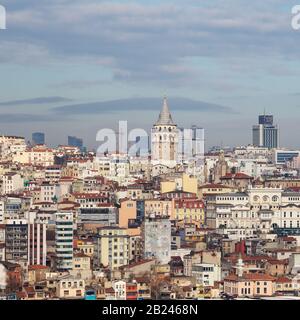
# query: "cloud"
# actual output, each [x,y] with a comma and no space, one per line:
[80,84]
[141,41]
[34,101]
[140,104]
[22,118]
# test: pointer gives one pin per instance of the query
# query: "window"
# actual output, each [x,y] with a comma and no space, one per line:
[78,293]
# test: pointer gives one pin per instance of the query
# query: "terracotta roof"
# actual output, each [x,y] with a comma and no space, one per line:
[283,280]
[142,279]
[80,255]
[214,186]
[250,277]
[236,176]
[132,265]
[29,289]
[21,294]
[37,267]
[109,290]
[288,239]
[275,261]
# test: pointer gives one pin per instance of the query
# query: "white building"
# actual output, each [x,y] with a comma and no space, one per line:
[12,182]
[259,210]
[120,290]
[157,239]
[49,192]
[206,274]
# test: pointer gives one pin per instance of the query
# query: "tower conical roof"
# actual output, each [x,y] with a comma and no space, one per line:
[165,117]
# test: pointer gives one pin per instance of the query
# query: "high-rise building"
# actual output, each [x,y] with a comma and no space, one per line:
[16,240]
[38,138]
[265,120]
[37,250]
[75,142]
[265,134]
[157,239]
[64,240]
[191,144]
[113,245]
[164,139]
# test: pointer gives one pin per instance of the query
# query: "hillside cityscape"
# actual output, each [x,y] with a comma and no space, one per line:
[163,221]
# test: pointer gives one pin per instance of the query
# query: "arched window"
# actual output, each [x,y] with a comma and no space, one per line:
[265,198]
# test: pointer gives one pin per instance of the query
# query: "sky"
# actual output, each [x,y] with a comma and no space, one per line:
[70,67]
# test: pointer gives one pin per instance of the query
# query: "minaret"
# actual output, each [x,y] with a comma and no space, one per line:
[164,139]
[240,266]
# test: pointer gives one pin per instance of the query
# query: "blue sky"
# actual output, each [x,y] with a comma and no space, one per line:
[227,61]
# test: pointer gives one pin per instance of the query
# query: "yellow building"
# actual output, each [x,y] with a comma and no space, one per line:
[81,262]
[189,184]
[185,183]
[167,186]
[155,207]
[250,285]
[113,244]
[189,210]
[213,188]
[70,288]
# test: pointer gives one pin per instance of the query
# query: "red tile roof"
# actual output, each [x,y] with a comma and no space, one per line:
[236,176]
[37,267]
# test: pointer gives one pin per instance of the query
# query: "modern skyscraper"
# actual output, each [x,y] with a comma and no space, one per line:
[266,119]
[38,138]
[37,250]
[265,134]
[191,144]
[164,139]
[64,240]
[75,142]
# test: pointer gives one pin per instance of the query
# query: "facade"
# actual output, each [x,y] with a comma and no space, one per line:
[104,214]
[12,182]
[37,250]
[70,288]
[250,285]
[189,210]
[157,239]
[281,156]
[112,248]
[16,241]
[64,240]
[206,274]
